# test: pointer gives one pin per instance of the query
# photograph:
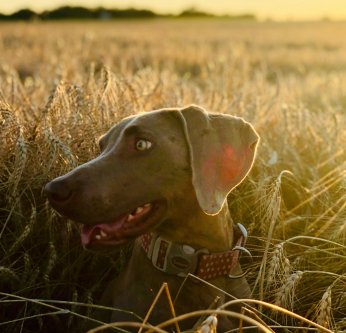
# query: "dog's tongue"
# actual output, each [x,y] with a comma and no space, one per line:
[100,232]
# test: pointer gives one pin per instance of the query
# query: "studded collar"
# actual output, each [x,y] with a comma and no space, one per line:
[182,259]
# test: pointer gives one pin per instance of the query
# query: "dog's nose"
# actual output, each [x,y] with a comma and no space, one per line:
[58,192]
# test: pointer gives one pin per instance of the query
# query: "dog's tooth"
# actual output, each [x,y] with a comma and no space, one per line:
[130,217]
[147,205]
[103,234]
[98,237]
[139,210]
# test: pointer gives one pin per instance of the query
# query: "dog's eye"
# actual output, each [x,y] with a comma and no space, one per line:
[142,144]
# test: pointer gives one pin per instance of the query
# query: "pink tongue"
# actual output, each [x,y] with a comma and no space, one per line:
[88,232]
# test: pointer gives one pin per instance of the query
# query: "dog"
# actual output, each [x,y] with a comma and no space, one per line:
[162,179]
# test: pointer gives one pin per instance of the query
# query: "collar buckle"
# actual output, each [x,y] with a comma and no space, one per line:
[174,258]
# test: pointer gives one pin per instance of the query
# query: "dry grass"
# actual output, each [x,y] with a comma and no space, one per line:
[63,85]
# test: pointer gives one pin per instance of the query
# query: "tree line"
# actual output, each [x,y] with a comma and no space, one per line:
[80,13]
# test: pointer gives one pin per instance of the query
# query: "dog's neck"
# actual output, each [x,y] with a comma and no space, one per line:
[213,232]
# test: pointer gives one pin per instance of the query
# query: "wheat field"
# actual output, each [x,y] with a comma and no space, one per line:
[64,84]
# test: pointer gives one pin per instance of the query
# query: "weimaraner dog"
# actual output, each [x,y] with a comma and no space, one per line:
[162,178]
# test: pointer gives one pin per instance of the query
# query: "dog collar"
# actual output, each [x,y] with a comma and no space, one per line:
[182,259]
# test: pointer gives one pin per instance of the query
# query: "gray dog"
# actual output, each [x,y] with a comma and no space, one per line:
[162,178]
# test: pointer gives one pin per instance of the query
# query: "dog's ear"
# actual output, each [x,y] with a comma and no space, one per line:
[222,150]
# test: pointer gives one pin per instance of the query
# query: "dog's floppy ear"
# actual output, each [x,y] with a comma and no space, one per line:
[222,149]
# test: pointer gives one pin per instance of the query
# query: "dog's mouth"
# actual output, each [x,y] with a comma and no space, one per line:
[123,228]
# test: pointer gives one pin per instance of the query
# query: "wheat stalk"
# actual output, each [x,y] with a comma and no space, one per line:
[51,99]
[325,309]
[57,145]
[26,232]
[21,155]
[271,216]
[8,121]
[90,301]
[277,264]
[285,296]
[74,300]
[27,267]
[51,262]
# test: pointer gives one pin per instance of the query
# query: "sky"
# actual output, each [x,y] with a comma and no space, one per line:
[276,9]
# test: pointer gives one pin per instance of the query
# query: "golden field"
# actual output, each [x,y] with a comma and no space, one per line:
[63,84]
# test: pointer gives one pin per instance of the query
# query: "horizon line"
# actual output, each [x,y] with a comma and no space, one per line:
[192,9]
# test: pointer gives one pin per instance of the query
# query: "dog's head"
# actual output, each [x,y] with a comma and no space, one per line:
[151,166]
